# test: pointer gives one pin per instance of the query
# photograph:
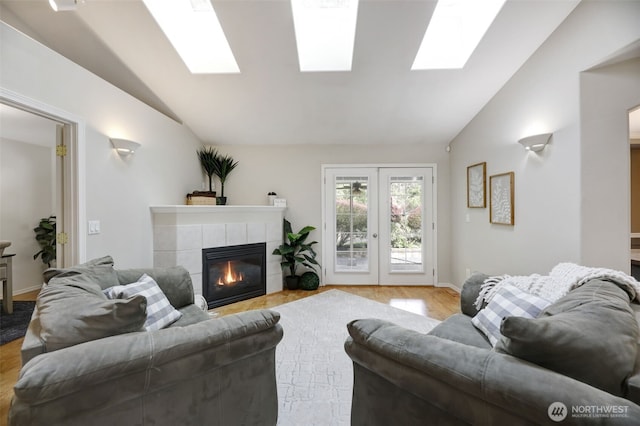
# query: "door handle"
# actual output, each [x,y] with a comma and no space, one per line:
[375,235]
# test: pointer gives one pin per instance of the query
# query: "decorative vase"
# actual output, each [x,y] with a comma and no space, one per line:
[292,281]
[221,201]
[309,281]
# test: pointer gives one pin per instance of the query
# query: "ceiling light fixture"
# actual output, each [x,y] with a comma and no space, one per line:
[194,30]
[63,5]
[325,33]
[535,143]
[455,29]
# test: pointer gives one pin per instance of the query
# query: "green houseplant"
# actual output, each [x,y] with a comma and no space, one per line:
[295,251]
[207,156]
[46,238]
[223,165]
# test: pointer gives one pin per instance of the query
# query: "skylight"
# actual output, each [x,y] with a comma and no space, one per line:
[193,29]
[325,33]
[456,28]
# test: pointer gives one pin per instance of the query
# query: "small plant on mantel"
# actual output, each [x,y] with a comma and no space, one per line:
[223,165]
[295,251]
[208,156]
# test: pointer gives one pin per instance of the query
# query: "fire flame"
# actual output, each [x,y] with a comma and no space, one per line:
[230,277]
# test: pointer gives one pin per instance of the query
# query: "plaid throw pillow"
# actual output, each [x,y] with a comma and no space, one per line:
[509,301]
[160,313]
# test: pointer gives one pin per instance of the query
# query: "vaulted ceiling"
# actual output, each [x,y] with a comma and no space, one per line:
[381,101]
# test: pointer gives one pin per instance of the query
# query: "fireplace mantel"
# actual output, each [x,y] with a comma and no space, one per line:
[195,209]
[181,232]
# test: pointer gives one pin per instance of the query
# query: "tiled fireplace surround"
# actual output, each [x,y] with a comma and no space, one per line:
[181,232]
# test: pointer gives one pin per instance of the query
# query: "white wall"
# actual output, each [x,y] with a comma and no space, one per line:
[118,192]
[544,96]
[294,172]
[25,187]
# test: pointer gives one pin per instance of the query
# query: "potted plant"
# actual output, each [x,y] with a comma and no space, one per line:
[295,251]
[46,238]
[223,165]
[208,156]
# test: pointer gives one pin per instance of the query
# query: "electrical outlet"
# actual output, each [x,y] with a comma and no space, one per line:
[94,227]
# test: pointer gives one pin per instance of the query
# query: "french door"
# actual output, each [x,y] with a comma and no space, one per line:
[379,225]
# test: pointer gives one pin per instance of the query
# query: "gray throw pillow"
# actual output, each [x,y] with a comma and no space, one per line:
[590,335]
[98,270]
[74,311]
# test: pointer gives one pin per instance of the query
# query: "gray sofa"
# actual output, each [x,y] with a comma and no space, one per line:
[453,375]
[85,360]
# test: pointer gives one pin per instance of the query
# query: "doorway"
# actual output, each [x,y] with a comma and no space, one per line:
[379,225]
[63,185]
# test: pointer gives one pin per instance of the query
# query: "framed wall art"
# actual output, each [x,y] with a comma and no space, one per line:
[501,198]
[477,186]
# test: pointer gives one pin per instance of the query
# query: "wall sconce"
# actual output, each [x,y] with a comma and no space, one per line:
[124,146]
[63,5]
[535,143]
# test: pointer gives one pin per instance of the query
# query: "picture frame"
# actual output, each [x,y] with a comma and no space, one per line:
[477,186]
[501,203]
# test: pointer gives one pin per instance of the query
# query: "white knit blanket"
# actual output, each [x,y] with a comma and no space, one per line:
[563,278]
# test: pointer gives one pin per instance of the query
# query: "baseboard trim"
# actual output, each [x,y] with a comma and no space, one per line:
[449,285]
[27,290]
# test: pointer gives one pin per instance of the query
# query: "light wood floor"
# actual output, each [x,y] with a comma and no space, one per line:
[438,303]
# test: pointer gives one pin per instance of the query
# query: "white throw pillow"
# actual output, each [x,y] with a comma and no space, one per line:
[160,313]
[509,301]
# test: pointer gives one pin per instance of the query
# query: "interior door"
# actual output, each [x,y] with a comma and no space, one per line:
[379,226]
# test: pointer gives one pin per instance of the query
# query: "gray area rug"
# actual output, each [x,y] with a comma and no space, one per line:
[314,373]
[14,326]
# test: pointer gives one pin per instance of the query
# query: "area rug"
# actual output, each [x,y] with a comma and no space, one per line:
[314,373]
[14,325]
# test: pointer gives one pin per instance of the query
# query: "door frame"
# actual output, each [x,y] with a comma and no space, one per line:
[327,242]
[73,188]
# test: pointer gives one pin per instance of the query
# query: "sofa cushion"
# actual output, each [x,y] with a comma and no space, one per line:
[160,313]
[470,291]
[191,314]
[99,271]
[633,384]
[590,334]
[509,301]
[174,281]
[458,328]
[74,310]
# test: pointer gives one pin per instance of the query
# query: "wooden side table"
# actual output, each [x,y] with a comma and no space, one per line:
[6,276]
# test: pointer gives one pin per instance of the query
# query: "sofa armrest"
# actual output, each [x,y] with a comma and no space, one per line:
[470,292]
[32,345]
[475,385]
[143,362]
[174,281]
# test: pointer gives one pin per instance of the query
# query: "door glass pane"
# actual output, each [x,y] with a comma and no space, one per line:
[406,224]
[352,205]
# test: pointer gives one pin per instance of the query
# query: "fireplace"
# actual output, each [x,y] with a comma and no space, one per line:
[233,273]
